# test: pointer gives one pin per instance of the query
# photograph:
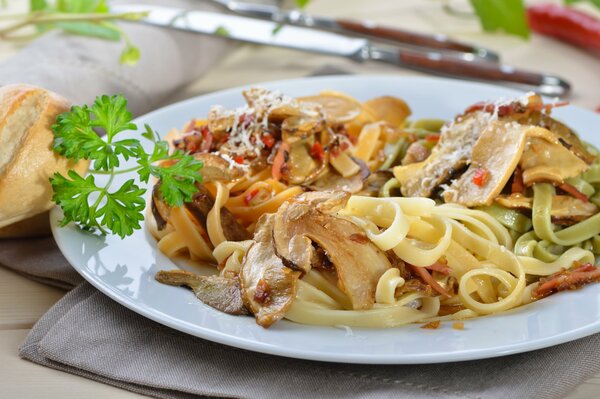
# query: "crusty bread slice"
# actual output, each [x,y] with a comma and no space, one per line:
[26,157]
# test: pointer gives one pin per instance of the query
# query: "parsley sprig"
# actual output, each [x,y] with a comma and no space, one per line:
[104,207]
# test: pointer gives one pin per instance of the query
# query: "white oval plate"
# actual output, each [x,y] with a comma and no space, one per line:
[124,269]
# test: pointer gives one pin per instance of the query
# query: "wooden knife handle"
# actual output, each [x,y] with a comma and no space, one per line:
[444,65]
[401,36]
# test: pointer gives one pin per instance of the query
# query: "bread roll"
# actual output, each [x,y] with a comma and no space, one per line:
[26,158]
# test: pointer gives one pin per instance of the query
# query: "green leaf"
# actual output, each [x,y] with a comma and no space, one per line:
[38,5]
[130,55]
[301,3]
[104,31]
[80,6]
[178,180]
[112,115]
[222,31]
[506,15]
[277,28]
[122,212]
[594,2]
[72,195]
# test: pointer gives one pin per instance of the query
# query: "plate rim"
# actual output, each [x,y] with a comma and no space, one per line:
[262,347]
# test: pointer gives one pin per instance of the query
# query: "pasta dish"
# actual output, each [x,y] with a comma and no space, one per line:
[327,211]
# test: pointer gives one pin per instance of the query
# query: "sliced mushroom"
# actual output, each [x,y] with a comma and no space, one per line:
[333,181]
[160,210]
[336,107]
[567,137]
[546,159]
[494,158]
[309,218]
[201,205]
[217,169]
[452,152]
[566,210]
[416,152]
[268,286]
[221,293]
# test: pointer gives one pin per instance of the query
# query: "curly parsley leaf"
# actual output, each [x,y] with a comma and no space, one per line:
[102,207]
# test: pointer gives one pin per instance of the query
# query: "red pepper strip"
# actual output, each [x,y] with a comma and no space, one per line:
[566,24]
[440,268]
[567,188]
[239,159]
[567,280]
[268,140]
[517,187]
[432,138]
[250,196]
[481,176]
[279,160]
[317,152]
[426,277]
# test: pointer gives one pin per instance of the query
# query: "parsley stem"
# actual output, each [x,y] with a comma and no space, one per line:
[54,17]
[114,172]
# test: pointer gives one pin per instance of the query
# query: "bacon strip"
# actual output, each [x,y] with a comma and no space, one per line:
[571,190]
[426,276]
[571,279]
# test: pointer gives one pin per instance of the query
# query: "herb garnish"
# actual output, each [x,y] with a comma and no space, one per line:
[103,207]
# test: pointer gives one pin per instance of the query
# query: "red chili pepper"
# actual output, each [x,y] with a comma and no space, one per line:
[481,176]
[268,140]
[317,152]
[279,160]
[569,189]
[432,138]
[250,196]
[517,187]
[566,24]
[239,159]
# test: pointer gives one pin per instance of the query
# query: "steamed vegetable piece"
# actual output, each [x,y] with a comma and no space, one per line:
[106,208]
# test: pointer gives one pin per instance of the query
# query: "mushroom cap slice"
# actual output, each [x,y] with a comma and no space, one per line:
[309,219]
[268,286]
[221,293]
[336,107]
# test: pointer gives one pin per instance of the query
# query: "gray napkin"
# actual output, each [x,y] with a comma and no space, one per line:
[88,334]
[81,68]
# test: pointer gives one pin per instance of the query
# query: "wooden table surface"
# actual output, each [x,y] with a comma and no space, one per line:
[23,302]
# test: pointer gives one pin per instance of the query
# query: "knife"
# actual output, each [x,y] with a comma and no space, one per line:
[349,26]
[358,49]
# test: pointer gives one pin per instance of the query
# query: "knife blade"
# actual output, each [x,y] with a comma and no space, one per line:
[343,25]
[358,49]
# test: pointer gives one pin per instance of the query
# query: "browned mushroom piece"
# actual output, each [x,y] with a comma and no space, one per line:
[221,293]
[201,204]
[450,155]
[217,169]
[567,137]
[160,210]
[546,159]
[416,152]
[333,181]
[566,210]
[310,219]
[268,286]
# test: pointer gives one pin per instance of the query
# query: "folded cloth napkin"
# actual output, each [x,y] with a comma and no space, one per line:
[88,334]
[81,68]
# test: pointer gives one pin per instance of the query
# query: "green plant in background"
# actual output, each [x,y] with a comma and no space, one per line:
[90,18]
[508,15]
